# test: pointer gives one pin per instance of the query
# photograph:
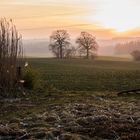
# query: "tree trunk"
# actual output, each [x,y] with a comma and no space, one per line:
[61,53]
[87,53]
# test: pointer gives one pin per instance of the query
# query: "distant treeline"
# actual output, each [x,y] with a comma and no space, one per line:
[127,48]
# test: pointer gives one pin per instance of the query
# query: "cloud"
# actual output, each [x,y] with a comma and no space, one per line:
[105,17]
[64,26]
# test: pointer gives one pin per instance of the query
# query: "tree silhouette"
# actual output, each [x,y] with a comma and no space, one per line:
[136,55]
[70,52]
[87,44]
[59,41]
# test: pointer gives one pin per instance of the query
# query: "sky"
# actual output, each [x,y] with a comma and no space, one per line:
[103,18]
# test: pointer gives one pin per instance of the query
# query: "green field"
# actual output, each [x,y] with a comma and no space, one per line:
[89,75]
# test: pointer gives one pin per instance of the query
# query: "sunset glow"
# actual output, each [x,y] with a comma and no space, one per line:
[104,18]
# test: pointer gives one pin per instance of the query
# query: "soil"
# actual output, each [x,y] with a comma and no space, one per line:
[71,117]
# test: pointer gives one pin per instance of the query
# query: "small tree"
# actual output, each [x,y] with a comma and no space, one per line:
[136,55]
[10,51]
[59,41]
[87,44]
[70,52]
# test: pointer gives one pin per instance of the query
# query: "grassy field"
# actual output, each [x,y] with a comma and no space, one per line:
[89,75]
[83,106]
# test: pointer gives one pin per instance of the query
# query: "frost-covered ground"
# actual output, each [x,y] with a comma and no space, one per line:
[71,117]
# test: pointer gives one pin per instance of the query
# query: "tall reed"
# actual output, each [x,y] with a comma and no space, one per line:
[11,51]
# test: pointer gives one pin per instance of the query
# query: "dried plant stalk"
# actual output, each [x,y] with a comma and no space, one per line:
[10,51]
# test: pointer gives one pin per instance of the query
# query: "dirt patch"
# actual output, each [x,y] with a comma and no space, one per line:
[82,118]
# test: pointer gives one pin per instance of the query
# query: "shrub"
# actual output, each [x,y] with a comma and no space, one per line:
[136,55]
[31,78]
[33,81]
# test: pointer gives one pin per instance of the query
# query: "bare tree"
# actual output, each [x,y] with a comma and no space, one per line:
[87,44]
[59,41]
[70,52]
[10,51]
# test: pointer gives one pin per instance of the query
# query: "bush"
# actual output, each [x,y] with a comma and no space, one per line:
[136,55]
[34,82]
[32,78]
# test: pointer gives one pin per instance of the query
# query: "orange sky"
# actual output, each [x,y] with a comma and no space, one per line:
[103,18]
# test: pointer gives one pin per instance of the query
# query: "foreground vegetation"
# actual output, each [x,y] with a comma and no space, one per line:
[80,102]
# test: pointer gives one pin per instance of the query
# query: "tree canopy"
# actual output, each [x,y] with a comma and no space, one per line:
[87,44]
[59,42]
